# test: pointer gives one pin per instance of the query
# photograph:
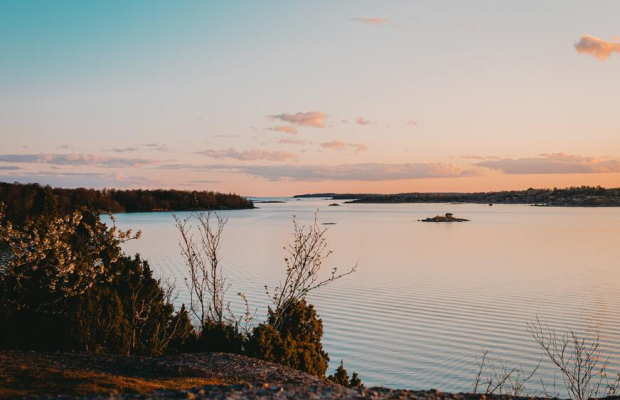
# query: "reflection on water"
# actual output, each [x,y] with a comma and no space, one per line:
[427,297]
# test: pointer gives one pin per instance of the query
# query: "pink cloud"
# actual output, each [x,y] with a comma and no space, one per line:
[297,142]
[369,172]
[553,163]
[314,119]
[285,129]
[361,121]
[340,146]
[76,160]
[412,123]
[371,21]
[598,48]
[251,155]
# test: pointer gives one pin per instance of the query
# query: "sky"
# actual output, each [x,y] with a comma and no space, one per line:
[275,98]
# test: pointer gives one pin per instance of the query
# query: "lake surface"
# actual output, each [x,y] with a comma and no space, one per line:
[427,298]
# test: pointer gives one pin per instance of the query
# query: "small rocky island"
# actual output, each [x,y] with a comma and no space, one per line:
[449,217]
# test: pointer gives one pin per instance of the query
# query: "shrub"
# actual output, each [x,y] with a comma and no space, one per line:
[341,377]
[295,343]
[66,285]
[218,337]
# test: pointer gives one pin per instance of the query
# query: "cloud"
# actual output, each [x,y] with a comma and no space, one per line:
[285,129]
[371,21]
[338,145]
[9,168]
[204,181]
[297,142]
[228,136]
[162,148]
[362,121]
[314,119]
[598,48]
[412,123]
[251,155]
[480,158]
[554,163]
[473,158]
[63,147]
[75,160]
[76,179]
[369,172]
[124,149]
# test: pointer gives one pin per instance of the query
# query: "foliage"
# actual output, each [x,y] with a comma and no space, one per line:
[305,258]
[219,337]
[218,328]
[66,285]
[356,381]
[296,342]
[341,377]
[26,201]
[293,332]
[579,196]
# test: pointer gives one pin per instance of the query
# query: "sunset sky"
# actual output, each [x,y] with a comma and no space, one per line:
[286,97]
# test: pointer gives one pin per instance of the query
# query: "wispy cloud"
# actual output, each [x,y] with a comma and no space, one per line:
[371,21]
[598,48]
[369,172]
[314,119]
[228,136]
[9,168]
[75,160]
[285,129]
[77,179]
[412,123]
[64,147]
[124,149]
[554,163]
[296,142]
[361,121]
[162,148]
[338,145]
[480,158]
[251,155]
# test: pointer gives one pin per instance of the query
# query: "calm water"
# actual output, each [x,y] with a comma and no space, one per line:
[427,298]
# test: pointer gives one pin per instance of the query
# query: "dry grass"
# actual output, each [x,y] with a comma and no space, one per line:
[18,381]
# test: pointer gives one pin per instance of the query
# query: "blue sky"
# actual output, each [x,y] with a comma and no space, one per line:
[412,95]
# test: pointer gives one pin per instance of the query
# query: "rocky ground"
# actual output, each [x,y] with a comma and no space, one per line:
[35,375]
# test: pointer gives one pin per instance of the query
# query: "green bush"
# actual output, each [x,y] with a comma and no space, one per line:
[295,343]
[66,285]
[341,377]
[218,337]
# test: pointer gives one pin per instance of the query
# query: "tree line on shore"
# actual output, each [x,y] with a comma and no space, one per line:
[577,196]
[28,200]
[67,285]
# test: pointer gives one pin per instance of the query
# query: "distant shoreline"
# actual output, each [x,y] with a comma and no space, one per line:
[584,196]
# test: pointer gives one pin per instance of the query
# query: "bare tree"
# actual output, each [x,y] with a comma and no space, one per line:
[206,283]
[501,380]
[305,258]
[579,361]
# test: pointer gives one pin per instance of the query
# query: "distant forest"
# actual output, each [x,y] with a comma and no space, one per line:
[24,201]
[583,196]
